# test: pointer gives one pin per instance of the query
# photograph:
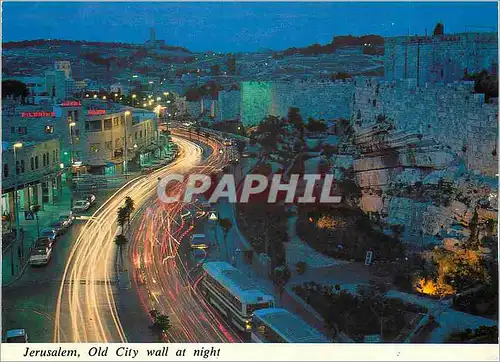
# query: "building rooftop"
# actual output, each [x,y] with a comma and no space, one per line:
[290,326]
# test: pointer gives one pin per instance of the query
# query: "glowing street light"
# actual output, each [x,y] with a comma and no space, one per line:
[103,98]
[133,99]
[95,96]
[158,99]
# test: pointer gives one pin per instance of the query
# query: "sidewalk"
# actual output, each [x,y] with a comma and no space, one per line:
[297,250]
[49,214]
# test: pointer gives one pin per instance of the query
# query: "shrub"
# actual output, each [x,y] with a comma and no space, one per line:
[301,267]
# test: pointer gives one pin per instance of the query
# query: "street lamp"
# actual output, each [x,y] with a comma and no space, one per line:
[95,96]
[16,205]
[103,98]
[133,99]
[71,125]
[125,164]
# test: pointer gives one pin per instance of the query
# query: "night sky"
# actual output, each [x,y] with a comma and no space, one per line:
[237,27]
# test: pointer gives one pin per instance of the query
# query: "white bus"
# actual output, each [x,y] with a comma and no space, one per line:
[277,325]
[233,294]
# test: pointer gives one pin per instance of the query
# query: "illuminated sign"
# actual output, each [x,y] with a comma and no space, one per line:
[37,114]
[96,112]
[71,104]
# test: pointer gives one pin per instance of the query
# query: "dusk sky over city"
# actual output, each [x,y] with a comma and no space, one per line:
[229,27]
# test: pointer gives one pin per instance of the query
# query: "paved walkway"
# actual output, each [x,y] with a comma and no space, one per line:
[49,213]
[298,250]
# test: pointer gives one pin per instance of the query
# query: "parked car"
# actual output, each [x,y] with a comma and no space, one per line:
[227,142]
[49,232]
[58,227]
[16,336]
[90,198]
[67,219]
[40,256]
[81,206]
[43,242]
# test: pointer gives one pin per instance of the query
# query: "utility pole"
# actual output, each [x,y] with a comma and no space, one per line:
[125,152]
[16,206]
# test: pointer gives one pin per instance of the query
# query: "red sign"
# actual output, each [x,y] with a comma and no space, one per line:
[37,114]
[96,112]
[71,104]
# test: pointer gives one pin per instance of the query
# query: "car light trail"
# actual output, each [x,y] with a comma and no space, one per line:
[87,312]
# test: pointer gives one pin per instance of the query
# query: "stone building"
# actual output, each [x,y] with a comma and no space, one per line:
[441,58]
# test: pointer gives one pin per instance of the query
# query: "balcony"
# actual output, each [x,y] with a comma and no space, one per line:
[28,177]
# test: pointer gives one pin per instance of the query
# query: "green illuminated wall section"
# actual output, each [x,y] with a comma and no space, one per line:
[256,101]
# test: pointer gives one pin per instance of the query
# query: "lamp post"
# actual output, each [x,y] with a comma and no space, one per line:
[133,99]
[72,160]
[125,164]
[71,125]
[16,206]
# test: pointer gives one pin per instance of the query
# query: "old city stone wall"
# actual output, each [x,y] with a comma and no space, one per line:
[451,115]
[317,99]
[443,58]
[228,105]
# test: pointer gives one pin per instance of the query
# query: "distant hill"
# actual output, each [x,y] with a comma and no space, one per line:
[58,42]
[372,44]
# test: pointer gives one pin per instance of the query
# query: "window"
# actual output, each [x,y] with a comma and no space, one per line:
[140,134]
[94,147]
[17,167]
[122,120]
[43,159]
[22,130]
[108,145]
[5,170]
[108,124]
[22,166]
[53,156]
[32,162]
[36,162]
[12,129]
[135,135]
[269,335]
[224,292]
[115,122]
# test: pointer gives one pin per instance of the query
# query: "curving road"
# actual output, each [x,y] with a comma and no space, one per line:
[161,272]
[86,305]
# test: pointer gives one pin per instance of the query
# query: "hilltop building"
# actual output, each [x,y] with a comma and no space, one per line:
[152,43]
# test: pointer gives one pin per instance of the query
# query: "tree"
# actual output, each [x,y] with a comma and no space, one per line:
[130,207]
[36,208]
[122,217]
[120,241]
[438,29]
[14,88]
[161,322]
[484,83]
[295,118]
[226,225]
[316,125]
